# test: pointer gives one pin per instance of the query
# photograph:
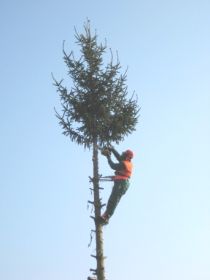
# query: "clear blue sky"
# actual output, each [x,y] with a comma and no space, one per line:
[161,229]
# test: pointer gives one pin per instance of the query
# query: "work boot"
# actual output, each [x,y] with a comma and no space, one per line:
[104,219]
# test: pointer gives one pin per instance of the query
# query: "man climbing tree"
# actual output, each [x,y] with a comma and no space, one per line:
[123,171]
[95,113]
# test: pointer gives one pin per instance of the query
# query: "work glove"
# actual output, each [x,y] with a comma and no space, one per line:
[106,152]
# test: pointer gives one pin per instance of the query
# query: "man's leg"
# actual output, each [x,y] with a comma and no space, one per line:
[119,189]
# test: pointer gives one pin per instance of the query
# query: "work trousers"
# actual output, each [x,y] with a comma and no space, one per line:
[119,189]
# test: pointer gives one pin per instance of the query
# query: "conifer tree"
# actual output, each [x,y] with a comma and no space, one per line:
[96,112]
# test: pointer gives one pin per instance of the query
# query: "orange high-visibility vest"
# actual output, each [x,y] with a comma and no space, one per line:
[125,173]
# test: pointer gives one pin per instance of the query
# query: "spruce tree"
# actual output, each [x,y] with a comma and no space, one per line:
[96,112]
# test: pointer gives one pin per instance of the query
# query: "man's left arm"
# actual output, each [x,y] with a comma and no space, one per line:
[115,166]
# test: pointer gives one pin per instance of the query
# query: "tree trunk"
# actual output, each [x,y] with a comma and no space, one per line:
[100,272]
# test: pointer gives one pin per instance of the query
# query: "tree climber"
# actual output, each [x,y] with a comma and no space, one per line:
[123,171]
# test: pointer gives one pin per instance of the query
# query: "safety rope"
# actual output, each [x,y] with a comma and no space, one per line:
[106,178]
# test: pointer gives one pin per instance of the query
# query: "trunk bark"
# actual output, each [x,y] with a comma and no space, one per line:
[100,271]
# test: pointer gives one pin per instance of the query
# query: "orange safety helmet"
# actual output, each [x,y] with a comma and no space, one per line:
[129,154]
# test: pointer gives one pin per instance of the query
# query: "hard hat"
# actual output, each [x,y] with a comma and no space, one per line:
[129,154]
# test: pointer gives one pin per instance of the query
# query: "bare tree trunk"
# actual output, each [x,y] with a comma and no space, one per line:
[100,271]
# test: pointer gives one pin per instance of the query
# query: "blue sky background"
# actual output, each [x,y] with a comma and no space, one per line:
[161,229]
